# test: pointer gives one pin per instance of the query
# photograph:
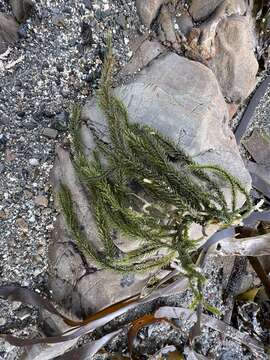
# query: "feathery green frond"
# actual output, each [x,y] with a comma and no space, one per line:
[143,185]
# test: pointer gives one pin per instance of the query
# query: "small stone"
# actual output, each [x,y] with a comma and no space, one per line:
[15,305]
[3,215]
[232,108]
[37,271]
[2,321]
[22,225]
[185,24]
[10,156]
[31,125]
[121,20]
[21,113]
[4,119]
[41,200]
[27,194]
[127,280]
[18,83]
[23,314]
[86,34]
[25,174]
[33,162]
[60,67]
[60,121]
[50,133]
[85,91]
[58,20]
[88,4]
[22,31]
[3,141]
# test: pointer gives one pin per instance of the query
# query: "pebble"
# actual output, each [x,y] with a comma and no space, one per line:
[87,34]
[10,155]
[22,224]
[50,133]
[60,121]
[41,200]
[3,141]
[2,321]
[22,31]
[3,215]
[33,162]
[23,314]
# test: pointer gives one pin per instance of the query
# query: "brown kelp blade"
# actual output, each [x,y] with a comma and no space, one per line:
[137,325]
[87,351]
[75,332]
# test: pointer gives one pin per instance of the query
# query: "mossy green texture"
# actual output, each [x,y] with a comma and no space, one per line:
[145,186]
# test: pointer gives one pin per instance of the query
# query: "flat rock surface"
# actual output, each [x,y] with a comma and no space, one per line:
[171,95]
[258,146]
[234,62]
[201,10]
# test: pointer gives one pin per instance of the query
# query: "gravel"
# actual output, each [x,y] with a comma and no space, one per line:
[56,63]
[261,118]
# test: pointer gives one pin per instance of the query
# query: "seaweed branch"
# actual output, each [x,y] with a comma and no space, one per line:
[173,192]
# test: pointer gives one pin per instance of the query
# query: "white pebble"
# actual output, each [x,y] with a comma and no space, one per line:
[33,162]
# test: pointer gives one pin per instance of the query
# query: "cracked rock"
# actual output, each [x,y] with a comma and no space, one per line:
[146,52]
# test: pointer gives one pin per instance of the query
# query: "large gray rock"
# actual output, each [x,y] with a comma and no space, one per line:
[182,99]
[148,10]
[200,10]
[234,62]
